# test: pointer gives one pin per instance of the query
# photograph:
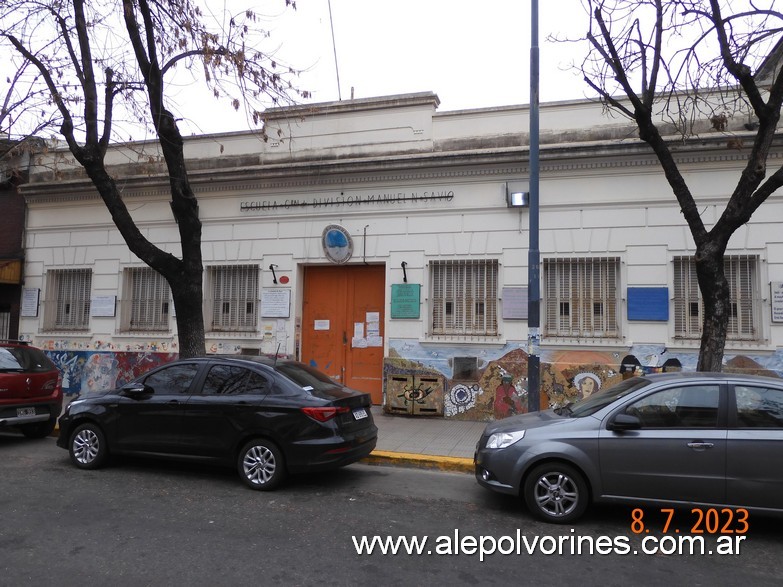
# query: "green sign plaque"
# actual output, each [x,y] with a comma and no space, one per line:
[405,300]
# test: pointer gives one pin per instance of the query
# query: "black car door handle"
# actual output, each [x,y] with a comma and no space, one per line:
[700,445]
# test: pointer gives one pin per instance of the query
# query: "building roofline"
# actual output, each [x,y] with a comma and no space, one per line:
[354,105]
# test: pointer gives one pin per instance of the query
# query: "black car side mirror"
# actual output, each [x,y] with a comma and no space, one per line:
[624,422]
[136,389]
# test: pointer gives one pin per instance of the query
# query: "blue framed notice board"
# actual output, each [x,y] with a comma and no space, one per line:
[648,303]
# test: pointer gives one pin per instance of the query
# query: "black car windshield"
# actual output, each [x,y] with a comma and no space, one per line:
[305,377]
[597,401]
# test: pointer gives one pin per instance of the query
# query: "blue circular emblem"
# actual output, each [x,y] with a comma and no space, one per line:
[337,243]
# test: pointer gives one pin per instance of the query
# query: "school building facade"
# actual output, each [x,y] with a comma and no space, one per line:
[374,239]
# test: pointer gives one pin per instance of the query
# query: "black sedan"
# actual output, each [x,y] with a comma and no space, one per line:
[266,417]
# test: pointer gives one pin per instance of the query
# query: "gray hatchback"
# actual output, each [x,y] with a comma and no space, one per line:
[671,438]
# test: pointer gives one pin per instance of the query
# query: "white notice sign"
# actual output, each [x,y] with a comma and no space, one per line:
[30,301]
[103,306]
[275,303]
[776,296]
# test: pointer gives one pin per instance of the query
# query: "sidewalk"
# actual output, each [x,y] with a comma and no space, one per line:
[432,443]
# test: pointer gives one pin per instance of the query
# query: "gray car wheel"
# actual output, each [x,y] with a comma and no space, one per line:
[261,465]
[87,447]
[556,492]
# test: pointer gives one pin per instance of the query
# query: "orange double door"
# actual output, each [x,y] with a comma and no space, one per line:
[342,324]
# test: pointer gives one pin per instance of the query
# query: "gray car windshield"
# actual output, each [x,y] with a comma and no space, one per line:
[589,406]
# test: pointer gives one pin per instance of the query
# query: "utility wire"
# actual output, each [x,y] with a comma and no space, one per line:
[334,48]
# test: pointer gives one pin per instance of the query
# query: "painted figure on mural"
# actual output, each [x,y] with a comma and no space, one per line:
[71,366]
[587,384]
[507,402]
[100,372]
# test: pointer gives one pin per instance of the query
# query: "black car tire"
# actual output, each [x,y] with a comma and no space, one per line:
[261,465]
[87,447]
[556,492]
[39,429]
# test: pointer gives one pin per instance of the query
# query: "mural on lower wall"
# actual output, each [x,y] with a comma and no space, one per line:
[460,382]
[94,365]
[476,383]
[85,371]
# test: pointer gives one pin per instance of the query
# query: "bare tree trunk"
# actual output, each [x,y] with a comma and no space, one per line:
[716,298]
[190,317]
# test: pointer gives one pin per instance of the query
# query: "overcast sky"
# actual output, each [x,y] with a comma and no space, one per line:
[472,54]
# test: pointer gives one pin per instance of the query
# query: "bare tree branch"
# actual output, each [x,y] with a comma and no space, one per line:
[710,57]
[68,41]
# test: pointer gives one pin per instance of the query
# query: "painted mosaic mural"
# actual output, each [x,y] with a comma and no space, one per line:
[461,382]
[476,383]
[85,371]
[94,365]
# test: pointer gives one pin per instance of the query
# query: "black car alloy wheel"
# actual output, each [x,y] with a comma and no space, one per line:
[261,465]
[556,492]
[88,447]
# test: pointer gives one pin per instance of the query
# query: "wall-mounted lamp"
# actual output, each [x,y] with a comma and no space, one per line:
[404,273]
[272,268]
[517,195]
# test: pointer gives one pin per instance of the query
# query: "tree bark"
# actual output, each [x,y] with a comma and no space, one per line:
[190,316]
[715,295]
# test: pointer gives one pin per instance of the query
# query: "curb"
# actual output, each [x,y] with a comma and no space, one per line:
[419,461]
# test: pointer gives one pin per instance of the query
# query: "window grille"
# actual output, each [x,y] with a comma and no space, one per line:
[5,324]
[146,306]
[744,298]
[464,297]
[234,301]
[68,299]
[580,297]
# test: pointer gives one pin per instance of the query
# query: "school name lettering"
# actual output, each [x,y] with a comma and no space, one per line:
[349,200]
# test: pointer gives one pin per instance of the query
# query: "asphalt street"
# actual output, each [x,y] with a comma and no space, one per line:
[141,522]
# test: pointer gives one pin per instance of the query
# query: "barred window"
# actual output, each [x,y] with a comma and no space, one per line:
[145,304]
[67,299]
[5,324]
[234,302]
[581,297]
[464,297]
[744,298]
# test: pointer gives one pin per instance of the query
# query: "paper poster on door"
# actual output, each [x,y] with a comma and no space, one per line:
[358,341]
[373,324]
[374,338]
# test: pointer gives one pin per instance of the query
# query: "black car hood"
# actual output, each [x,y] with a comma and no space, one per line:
[94,394]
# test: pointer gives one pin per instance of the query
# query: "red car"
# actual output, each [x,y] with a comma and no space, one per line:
[31,395]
